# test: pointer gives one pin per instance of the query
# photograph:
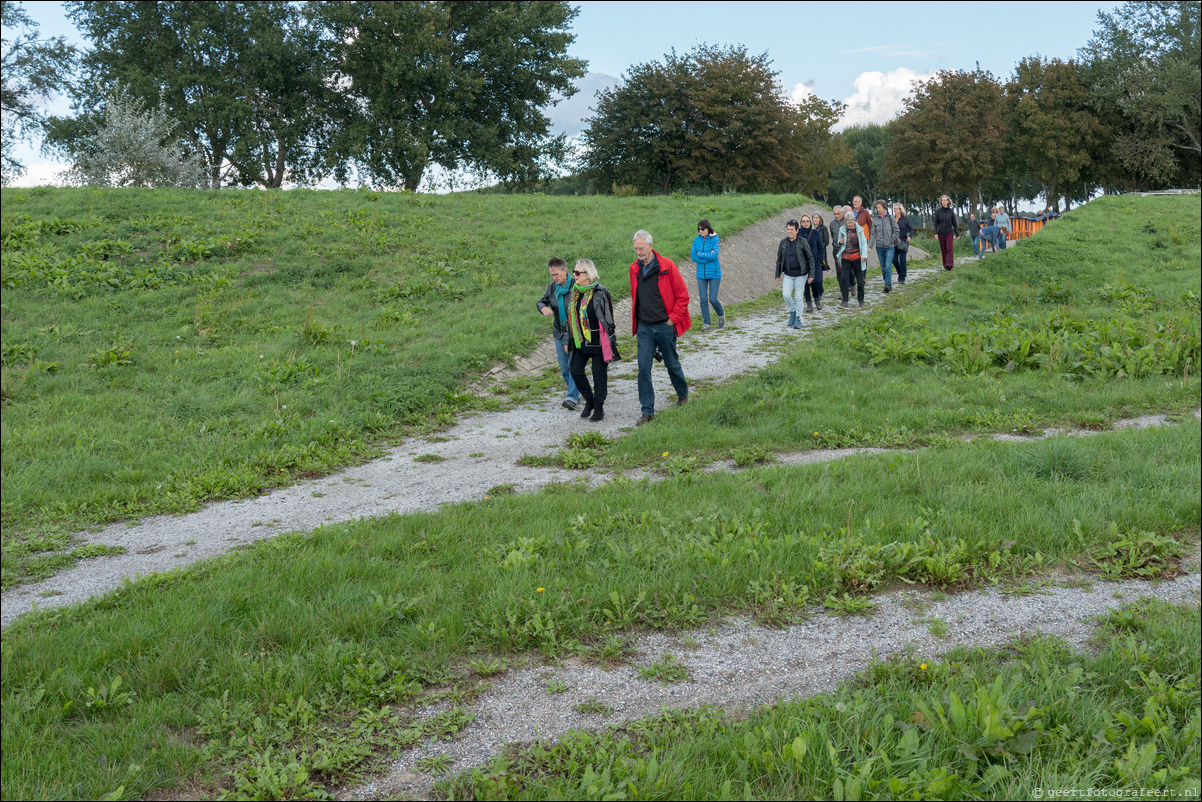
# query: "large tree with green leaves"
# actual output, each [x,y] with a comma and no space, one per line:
[1144,65]
[462,85]
[1053,131]
[952,135]
[715,116]
[31,70]
[865,173]
[246,80]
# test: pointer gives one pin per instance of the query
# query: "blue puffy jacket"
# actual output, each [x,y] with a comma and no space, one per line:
[705,255]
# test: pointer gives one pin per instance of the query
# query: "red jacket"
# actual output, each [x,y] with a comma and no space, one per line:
[671,288]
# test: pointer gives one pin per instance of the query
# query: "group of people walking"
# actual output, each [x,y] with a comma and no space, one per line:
[855,233]
[583,328]
[581,308]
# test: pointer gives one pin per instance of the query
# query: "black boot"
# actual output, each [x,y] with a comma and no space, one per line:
[588,409]
[598,413]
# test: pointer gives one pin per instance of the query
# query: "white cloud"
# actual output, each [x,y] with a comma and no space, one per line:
[41,174]
[802,91]
[568,116]
[878,96]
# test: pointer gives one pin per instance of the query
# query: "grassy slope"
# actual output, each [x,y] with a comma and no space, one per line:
[319,325]
[359,615]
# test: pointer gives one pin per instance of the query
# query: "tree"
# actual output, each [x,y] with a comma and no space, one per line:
[32,69]
[246,80]
[1053,132]
[715,116]
[813,152]
[951,136]
[457,84]
[1144,63]
[134,146]
[865,174]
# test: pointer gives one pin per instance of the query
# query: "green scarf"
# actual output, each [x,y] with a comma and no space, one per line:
[582,296]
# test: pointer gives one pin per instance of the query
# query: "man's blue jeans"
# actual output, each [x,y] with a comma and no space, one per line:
[885,255]
[976,245]
[664,336]
[707,293]
[564,362]
[792,287]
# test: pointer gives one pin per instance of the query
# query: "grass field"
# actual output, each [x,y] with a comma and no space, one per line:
[283,670]
[164,348]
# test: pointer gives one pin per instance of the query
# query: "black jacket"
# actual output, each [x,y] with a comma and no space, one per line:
[945,221]
[602,306]
[804,255]
[559,328]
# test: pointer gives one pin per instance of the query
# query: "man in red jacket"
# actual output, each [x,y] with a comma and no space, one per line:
[660,315]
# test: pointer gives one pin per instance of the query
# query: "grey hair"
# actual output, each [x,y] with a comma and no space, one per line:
[589,268]
[645,236]
[897,206]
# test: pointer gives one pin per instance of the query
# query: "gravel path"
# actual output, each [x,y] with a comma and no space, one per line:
[740,665]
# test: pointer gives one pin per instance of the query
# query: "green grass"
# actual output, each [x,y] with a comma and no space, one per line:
[164,348]
[1011,723]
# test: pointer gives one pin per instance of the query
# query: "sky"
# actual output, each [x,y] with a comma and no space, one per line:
[866,61]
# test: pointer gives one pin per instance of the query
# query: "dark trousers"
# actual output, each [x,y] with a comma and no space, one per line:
[899,263]
[596,394]
[851,272]
[813,291]
[947,244]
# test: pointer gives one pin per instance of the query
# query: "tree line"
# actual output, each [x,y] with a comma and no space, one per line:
[268,92]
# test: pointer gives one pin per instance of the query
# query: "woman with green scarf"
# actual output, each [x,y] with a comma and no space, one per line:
[591,336]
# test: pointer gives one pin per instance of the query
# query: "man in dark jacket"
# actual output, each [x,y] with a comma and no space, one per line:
[660,314]
[554,304]
[795,267]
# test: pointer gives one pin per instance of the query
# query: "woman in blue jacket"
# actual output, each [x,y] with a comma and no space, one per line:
[709,273]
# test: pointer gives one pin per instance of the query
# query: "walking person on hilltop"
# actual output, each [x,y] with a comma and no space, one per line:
[794,269]
[947,228]
[660,313]
[554,304]
[820,225]
[709,273]
[974,231]
[813,238]
[884,238]
[862,215]
[905,232]
[592,336]
[835,226]
[1002,221]
[852,260]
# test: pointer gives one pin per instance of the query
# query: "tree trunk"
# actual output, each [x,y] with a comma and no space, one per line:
[413,178]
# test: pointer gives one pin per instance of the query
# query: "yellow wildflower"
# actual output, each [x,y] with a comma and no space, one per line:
[539,590]
[923,666]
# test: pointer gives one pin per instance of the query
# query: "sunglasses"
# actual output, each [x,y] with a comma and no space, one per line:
[793,223]
[579,273]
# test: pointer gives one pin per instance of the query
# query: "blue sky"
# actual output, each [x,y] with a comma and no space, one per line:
[866,60]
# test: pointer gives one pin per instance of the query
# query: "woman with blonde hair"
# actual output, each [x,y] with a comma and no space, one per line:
[947,228]
[591,336]
[904,233]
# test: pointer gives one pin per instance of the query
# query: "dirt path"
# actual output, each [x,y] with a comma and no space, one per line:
[740,665]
